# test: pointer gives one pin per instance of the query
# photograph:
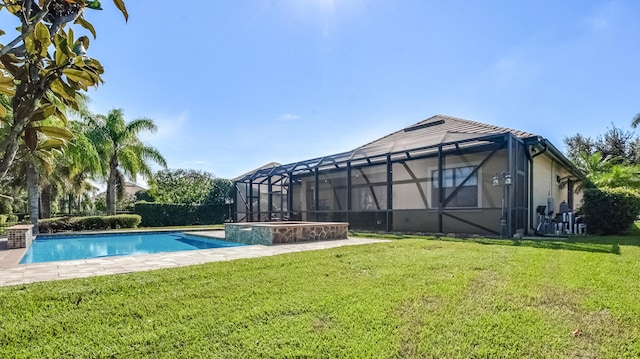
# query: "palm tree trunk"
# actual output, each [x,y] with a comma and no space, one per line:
[32,189]
[45,197]
[111,187]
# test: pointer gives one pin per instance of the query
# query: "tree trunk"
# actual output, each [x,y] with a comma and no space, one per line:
[45,198]
[10,143]
[111,187]
[33,192]
[27,95]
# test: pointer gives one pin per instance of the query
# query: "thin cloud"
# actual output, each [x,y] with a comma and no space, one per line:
[602,20]
[196,162]
[288,117]
[168,128]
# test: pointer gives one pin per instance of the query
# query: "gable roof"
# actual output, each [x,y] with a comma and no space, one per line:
[441,129]
[417,139]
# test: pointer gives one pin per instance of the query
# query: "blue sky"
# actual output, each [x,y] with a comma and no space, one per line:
[233,85]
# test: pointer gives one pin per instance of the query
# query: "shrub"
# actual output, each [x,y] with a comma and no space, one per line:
[3,219]
[63,224]
[12,218]
[53,225]
[124,221]
[88,223]
[163,214]
[610,211]
[5,207]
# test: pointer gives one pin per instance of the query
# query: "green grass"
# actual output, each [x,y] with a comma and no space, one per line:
[408,298]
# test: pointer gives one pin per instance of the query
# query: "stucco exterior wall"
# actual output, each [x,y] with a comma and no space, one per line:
[549,180]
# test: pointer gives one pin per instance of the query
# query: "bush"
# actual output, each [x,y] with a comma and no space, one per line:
[5,207]
[12,218]
[64,224]
[123,221]
[53,225]
[610,211]
[3,219]
[162,214]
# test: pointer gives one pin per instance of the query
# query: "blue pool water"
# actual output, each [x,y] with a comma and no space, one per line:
[60,248]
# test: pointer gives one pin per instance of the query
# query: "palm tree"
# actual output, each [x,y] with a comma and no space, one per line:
[123,153]
[607,171]
[619,176]
[81,162]
[636,121]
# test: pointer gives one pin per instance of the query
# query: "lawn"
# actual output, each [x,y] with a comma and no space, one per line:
[408,298]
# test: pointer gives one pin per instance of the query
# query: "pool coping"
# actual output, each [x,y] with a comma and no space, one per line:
[130,231]
[10,258]
[12,273]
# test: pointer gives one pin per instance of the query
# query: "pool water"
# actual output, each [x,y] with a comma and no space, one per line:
[61,248]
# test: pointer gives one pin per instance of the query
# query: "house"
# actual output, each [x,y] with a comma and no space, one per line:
[129,191]
[440,175]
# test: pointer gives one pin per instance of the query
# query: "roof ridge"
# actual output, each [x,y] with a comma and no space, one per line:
[393,133]
[476,123]
[460,121]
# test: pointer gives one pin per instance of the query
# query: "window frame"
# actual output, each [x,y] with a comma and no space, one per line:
[453,180]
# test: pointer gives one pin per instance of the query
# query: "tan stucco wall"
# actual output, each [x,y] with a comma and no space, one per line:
[546,171]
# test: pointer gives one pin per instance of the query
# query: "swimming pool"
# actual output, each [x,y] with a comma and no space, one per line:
[60,248]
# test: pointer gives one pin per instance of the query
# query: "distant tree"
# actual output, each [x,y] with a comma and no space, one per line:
[181,186]
[619,144]
[220,191]
[144,195]
[122,151]
[44,67]
[616,145]
[577,145]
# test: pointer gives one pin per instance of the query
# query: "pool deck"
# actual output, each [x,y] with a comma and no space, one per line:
[12,273]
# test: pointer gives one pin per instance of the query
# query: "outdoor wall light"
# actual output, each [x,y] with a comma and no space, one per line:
[507,179]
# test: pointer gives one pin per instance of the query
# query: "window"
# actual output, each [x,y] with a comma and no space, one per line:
[466,196]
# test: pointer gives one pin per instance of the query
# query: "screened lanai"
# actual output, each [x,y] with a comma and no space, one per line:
[441,175]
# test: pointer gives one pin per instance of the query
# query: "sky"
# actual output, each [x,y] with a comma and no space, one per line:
[233,85]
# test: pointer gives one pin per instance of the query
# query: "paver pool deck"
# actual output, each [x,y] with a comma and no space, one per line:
[12,273]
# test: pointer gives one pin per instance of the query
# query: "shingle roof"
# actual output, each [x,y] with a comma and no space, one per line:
[418,139]
[442,128]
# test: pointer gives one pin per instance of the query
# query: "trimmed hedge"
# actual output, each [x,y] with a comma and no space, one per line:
[163,214]
[65,224]
[610,211]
